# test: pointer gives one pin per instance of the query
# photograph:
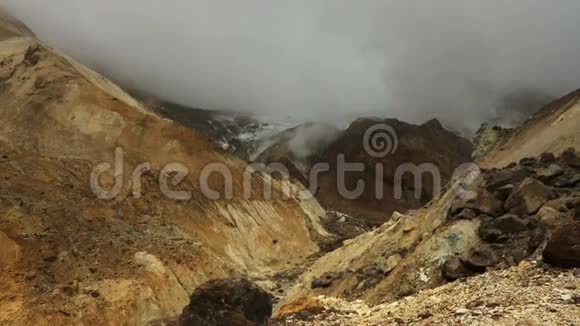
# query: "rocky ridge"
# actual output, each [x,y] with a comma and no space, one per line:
[526,211]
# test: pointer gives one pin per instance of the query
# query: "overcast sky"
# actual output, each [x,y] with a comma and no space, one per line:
[323,59]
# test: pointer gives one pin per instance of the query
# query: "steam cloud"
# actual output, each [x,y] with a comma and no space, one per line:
[324,59]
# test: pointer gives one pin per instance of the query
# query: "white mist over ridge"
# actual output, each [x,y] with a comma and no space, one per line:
[322,59]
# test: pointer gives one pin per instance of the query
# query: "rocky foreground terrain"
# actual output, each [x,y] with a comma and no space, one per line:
[524,295]
[521,231]
[499,245]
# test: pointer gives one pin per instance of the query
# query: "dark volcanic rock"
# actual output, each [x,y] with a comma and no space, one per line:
[547,158]
[563,248]
[570,157]
[507,176]
[504,192]
[528,197]
[528,161]
[227,302]
[509,224]
[466,214]
[490,234]
[454,269]
[553,170]
[326,280]
[537,237]
[566,180]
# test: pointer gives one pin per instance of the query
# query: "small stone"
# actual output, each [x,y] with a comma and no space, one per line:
[51,259]
[570,157]
[396,216]
[547,158]
[545,174]
[454,269]
[504,192]
[538,237]
[466,214]
[461,311]
[480,258]
[391,263]
[408,228]
[491,235]
[528,161]
[549,216]
[325,280]
[425,315]
[567,298]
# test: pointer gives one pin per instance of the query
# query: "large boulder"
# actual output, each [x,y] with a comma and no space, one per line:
[227,302]
[563,248]
[508,224]
[506,177]
[528,197]
[485,203]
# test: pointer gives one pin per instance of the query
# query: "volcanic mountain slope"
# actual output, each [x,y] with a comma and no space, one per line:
[243,135]
[411,145]
[500,217]
[67,257]
[301,147]
[552,129]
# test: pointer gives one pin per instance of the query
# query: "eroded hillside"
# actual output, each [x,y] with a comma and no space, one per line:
[523,213]
[70,258]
